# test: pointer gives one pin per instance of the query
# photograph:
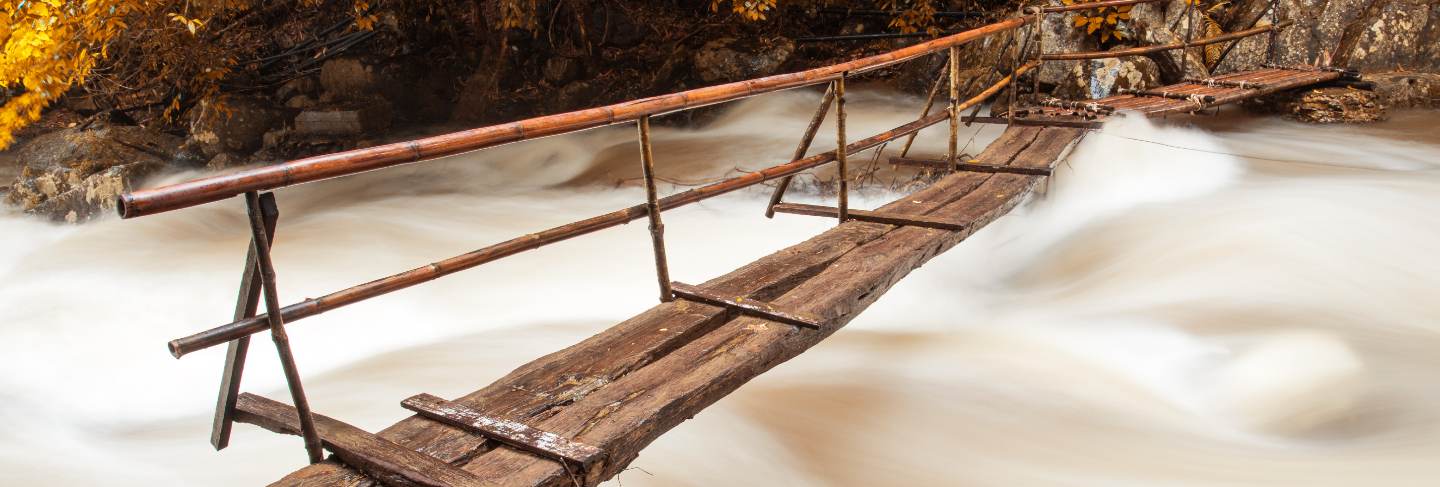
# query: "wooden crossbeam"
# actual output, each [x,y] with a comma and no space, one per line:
[970,166]
[1247,85]
[388,462]
[518,435]
[870,216]
[1052,122]
[750,307]
[1165,94]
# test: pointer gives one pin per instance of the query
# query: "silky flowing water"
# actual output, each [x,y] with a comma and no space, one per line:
[1196,301]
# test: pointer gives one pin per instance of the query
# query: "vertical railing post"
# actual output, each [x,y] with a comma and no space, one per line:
[929,103]
[652,206]
[840,155]
[277,328]
[1272,50]
[1039,51]
[1189,36]
[952,150]
[800,150]
[245,306]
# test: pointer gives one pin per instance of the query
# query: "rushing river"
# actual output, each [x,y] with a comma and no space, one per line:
[1205,301]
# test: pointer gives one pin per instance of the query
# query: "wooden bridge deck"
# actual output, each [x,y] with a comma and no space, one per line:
[618,391]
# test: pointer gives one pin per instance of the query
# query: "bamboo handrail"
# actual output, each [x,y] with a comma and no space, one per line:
[1139,51]
[310,169]
[311,307]
[1049,9]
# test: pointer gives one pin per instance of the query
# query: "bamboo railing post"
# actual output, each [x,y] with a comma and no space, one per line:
[840,152]
[800,150]
[1039,51]
[1189,36]
[652,206]
[277,328]
[245,306]
[1272,50]
[952,150]
[929,104]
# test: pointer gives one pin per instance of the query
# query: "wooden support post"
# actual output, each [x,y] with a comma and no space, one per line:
[929,103]
[840,152]
[652,206]
[245,306]
[277,328]
[1189,36]
[1039,49]
[952,150]
[1271,49]
[804,147]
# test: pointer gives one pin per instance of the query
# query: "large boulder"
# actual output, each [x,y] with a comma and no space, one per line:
[729,59]
[1100,78]
[234,124]
[1332,104]
[1407,89]
[75,174]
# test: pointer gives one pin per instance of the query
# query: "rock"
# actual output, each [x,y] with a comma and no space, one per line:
[225,160]
[728,59]
[78,173]
[300,102]
[345,76]
[1407,90]
[236,125]
[561,70]
[354,121]
[1150,24]
[297,86]
[1334,104]
[1099,78]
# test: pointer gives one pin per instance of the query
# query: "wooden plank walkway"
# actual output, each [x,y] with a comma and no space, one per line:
[622,388]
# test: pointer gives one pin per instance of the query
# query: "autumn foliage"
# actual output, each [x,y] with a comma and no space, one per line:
[170,55]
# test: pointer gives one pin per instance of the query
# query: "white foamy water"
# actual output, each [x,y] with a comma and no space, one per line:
[1162,316]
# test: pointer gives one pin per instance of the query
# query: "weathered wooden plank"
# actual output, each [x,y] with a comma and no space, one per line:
[741,305]
[518,435]
[869,216]
[381,459]
[545,385]
[969,166]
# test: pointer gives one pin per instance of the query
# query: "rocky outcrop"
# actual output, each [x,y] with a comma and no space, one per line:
[236,124]
[1331,104]
[728,59]
[1100,78]
[75,174]
[1407,89]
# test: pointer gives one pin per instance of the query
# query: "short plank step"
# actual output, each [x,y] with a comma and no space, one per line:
[744,306]
[869,216]
[520,436]
[388,462]
[971,166]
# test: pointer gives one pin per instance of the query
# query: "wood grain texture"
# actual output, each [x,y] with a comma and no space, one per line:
[381,459]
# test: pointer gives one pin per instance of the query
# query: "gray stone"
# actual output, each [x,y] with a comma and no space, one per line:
[1407,89]
[237,125]
[356,121]
[728,59]
[1099,78]
[73,175]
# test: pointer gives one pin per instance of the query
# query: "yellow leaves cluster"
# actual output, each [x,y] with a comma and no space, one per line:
[751,10]
[913,15]
[519,14]
[46,46]
[1102,22]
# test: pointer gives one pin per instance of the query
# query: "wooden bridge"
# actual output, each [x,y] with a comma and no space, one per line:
[582,414]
